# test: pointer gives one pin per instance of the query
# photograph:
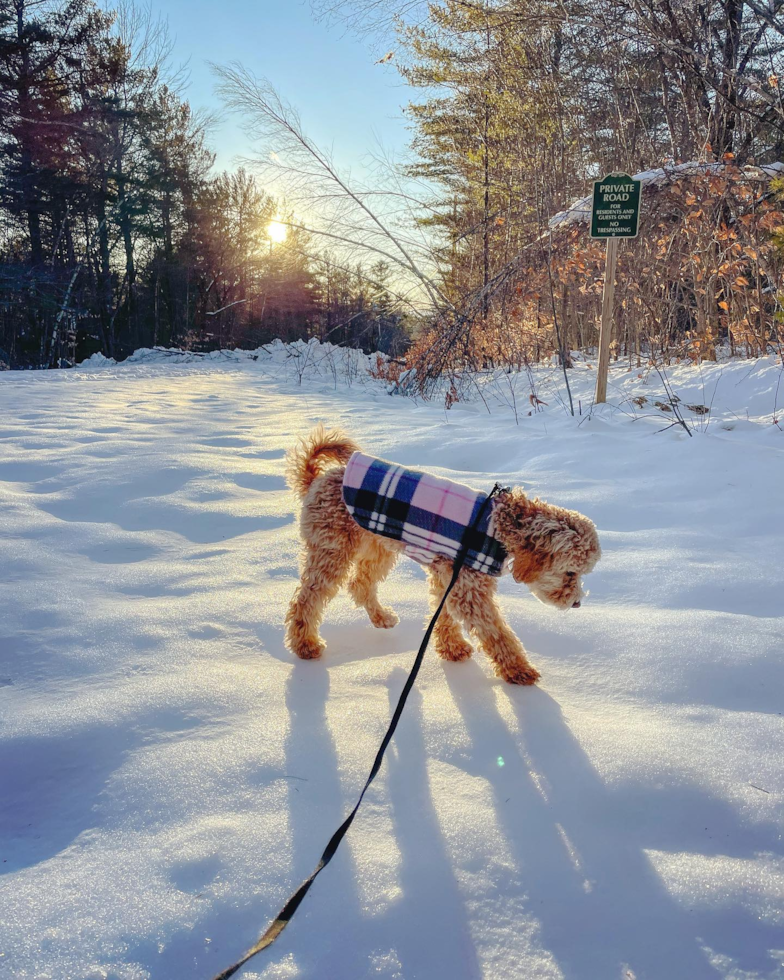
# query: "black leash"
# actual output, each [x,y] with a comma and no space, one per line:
[283,917]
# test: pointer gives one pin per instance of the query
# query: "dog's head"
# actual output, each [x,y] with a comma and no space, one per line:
[550,548]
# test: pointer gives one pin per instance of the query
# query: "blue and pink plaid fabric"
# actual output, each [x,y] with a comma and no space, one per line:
[428,514]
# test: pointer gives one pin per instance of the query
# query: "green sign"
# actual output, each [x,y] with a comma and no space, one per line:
[616,207]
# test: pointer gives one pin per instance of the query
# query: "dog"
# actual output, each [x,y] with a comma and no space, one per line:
[359,514]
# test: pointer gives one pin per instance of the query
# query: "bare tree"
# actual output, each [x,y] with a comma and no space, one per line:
[358,220]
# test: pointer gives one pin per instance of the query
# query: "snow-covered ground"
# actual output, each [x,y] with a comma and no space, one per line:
[168,774]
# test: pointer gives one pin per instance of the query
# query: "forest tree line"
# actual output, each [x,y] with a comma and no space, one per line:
[115,233]
[519,105]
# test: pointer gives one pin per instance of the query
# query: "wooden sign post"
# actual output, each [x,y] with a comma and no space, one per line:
[615,214]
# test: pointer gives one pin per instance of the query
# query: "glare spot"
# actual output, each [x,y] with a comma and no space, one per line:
[277,231]
[500,760]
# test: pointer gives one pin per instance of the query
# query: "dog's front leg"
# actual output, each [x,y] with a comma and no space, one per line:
[474,600]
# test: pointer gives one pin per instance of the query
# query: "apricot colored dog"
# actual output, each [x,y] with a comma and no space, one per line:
[547,547]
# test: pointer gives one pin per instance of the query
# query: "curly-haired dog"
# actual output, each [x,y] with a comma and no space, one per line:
[358,516]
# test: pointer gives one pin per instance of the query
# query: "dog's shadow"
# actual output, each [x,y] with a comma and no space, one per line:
[603,910]
[582,875]
[430,893]
[317,805]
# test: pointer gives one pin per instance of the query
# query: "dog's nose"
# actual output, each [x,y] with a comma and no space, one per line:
[576,605]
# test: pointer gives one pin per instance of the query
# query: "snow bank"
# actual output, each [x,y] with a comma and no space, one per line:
[738,395]
[741,395]
[300,358]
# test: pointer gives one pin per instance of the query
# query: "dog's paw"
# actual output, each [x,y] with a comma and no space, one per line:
[310,649]
[456,651]
[520,673]
[384,619]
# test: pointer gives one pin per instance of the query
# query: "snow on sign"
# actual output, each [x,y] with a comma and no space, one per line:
[616,207]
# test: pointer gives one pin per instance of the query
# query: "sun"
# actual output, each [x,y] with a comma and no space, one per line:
[277,232]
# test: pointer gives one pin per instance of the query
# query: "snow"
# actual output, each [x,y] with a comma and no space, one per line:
[311,358]
[169,775]
[580,211]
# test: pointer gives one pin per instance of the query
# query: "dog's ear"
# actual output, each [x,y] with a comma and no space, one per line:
[528,564]
[534,533]
[513,525]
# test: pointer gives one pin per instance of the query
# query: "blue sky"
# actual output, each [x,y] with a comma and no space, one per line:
[345,101]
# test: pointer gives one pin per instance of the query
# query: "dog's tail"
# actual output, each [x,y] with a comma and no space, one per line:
[306,461]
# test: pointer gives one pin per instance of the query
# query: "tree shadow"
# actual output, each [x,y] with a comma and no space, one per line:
[50,787]
[604,912]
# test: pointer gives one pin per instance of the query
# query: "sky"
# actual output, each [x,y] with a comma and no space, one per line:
[346,102]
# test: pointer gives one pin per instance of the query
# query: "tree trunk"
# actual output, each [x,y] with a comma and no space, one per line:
[28,169]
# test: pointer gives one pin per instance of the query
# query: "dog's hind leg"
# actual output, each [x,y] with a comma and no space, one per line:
[374,562]
[449,639]
[323,572]
[473,599]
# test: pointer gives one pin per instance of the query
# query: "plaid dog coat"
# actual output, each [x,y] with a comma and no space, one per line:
[428,514]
